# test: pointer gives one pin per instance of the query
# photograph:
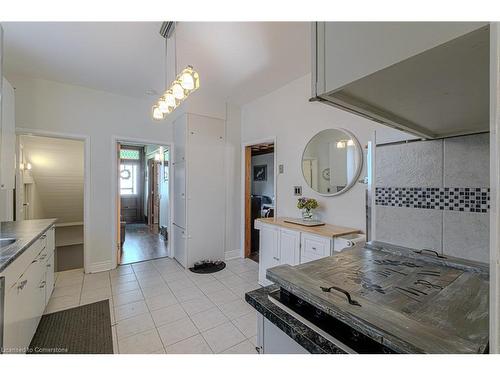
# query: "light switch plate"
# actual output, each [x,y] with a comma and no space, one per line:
[297,190]
[281,168]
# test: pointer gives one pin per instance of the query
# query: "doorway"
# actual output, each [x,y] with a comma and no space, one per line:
[50,183]
[259,192]
[142,202]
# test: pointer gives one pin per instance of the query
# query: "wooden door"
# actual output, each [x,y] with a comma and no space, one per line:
[154,193]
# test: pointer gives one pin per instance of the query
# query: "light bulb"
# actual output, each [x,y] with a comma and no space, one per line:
[170,99]
[163,106]
[178,91]
[350,142]
[340,144]
[28,166]
[187,80]
[157,114]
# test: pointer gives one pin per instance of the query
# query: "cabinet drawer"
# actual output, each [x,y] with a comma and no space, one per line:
[21,264]
[315,247]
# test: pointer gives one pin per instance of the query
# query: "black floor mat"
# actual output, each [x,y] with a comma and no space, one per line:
[81,330]
[208,267]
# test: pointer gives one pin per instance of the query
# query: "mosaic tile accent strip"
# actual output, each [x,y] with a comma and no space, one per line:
[449,198]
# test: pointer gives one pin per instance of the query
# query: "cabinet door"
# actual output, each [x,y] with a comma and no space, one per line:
[49,278]
[289,249]
[24,305]
[179,195]
[7,138]
[269,251]
[50,240]
[180,129]
[179,245]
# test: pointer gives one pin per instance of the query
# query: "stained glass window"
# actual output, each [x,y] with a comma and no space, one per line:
[129,154]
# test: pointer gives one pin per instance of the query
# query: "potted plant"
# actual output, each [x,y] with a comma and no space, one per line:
[307,205]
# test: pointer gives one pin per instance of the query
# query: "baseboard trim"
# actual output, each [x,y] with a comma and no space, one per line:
[100,267]
[232,254]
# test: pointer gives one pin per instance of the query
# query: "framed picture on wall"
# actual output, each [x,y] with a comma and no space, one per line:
[260,173]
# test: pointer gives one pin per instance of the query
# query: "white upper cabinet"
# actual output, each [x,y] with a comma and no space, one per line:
[8,138]
[426,78]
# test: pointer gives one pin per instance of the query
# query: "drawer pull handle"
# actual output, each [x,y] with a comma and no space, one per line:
[22,284]
[49,265]
[349,299]
[43,236]
[275,258]
[313,248]
[42,285]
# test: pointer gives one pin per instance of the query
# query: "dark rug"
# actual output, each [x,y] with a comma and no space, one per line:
[81,330]
[208,267]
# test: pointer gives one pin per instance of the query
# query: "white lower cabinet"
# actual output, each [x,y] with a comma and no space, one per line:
[269,253]
[287,246]
[29,285]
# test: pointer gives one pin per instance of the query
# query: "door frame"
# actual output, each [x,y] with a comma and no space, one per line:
[142,173]
[86,179]
[244,174]
[115,194]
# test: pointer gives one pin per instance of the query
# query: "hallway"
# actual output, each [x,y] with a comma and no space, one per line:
[141,243]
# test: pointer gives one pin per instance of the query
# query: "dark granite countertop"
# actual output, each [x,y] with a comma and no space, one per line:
[26,232]
[309,339]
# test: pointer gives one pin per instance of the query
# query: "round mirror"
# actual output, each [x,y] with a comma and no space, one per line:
[332,161]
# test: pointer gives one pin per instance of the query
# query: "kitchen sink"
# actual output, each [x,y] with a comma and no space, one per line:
[4,242]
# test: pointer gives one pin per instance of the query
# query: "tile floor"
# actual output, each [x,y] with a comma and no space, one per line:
[158,307]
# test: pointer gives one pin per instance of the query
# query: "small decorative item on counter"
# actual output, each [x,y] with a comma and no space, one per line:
[307,205]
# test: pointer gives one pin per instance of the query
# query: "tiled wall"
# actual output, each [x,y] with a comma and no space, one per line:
[435,195]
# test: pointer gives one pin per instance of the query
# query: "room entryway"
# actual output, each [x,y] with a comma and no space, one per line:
[143,190]
[142,243]
[259,192]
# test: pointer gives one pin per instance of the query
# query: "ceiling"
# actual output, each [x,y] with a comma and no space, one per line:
[57,169]
[236,61]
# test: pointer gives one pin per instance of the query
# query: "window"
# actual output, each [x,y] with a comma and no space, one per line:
[128,154]
[129,179]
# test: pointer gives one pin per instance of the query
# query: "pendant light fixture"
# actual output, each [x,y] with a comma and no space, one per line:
[187,81]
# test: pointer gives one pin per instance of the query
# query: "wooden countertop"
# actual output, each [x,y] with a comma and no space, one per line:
[327,230]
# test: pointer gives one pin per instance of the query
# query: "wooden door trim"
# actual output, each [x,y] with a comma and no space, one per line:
[248,202]
[246,175]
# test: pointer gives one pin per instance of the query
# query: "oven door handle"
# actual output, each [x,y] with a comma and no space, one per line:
[349,299]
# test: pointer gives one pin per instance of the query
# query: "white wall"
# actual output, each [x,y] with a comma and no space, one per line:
[55,107]
[233,181]
[264,187]
[288,115]
[48,106]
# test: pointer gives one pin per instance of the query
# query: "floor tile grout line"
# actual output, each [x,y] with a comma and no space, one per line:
[199,332]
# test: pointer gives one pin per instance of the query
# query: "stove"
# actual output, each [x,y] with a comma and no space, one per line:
[386,299]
